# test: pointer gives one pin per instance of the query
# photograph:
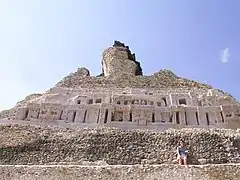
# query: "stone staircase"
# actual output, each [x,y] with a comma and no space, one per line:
[31,152]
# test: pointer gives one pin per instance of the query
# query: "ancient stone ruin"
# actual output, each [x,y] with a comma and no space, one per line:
[118,107]
[121,96]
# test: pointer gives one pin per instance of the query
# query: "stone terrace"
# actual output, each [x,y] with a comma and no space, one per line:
[139,172]
[28,152]
[39,145]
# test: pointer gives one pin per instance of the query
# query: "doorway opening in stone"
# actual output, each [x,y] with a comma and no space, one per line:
[38,112]
[60,116]
[85,116]
[182,101]
[153,117]
[177,118]
[74,116]
[106,116]
[90,101]
[98,101]
[98,116]
[171,118]
[222,116]
[165,101]
[197,118]
[186,121]
[112,116]
[207,117]
[26,114]
[130,120]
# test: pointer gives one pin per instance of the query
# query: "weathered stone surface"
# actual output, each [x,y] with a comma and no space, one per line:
[29,98]
[38,145]
[156,172]
[118,60]
[80,73]
[122,96]
[161,79]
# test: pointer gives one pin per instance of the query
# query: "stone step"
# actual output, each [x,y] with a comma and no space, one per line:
[120,172]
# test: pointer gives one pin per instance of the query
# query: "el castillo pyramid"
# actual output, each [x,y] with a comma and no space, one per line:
[121,124]
[121,96]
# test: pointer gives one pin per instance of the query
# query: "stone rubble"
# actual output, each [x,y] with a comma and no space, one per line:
[162,79]
[49,145]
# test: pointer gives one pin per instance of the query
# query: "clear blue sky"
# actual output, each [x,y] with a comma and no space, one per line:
[42,41]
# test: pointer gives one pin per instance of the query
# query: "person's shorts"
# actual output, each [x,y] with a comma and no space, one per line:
[182,156]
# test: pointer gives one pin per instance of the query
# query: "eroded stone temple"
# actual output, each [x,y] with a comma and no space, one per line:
[121,96]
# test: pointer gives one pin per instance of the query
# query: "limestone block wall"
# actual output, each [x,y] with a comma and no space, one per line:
[128,105]
[140,114]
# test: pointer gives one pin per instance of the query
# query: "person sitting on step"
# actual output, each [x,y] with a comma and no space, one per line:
[182,153]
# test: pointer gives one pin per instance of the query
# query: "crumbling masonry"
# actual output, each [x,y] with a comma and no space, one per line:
[123,97]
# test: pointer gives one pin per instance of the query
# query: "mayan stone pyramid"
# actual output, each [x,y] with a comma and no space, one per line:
[122,96]
[121,125]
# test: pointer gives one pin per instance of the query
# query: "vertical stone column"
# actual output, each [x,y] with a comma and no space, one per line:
[201,116]
[142,120]
[182,117]
[80,115]
[107,99]
[102,115]
[174,121]
[109,116]
[170,98]
[93,115]
[191,116]
[158,116]
[70,116]
[87,116]
[212,118]
[102,112]
[219,117]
